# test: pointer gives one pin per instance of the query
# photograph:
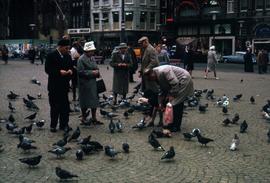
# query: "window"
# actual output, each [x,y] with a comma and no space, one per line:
[143,2]
[152,20]
[152,2]
[105,2]
[115,2]
[96,21]
[143,20]
[259,4]
[163,4]
[243,5]
[96,2]
[267,4]
[115,20]
[187,30]
[230,6]
[128,1]
[129,19]
[105,21]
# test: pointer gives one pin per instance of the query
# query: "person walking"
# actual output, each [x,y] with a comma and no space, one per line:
[87,73]
[260,61]
[121,62]
[162,56]
[248,64]
[175,85]
[134,60]
[32,55]
[211,62]
[42,55]
[58,66]
[190,60]
[265,60]
[5,54]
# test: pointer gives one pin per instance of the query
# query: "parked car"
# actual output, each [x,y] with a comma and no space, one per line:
[237,58]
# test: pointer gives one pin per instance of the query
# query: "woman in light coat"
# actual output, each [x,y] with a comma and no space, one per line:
[211,62]
[87,74]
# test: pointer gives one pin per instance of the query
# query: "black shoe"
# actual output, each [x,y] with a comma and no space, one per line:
[53,130]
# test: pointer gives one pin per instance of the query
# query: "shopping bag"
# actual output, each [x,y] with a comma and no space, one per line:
[168,114]
[101,86]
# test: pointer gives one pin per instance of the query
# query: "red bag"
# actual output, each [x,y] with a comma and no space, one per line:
[168,114]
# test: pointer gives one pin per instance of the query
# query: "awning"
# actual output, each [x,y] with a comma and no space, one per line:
[185,40]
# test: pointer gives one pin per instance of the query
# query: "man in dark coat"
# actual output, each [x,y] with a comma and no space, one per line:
[134,60]
[121,62]
[58,66]
[248,64]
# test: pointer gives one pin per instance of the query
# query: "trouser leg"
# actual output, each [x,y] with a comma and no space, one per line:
[64,111]
[54,110]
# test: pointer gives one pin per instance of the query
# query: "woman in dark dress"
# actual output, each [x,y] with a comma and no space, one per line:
[248,64]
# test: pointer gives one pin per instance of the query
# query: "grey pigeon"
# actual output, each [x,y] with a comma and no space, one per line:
[79,154]
[141,124]
[243,127]
[31,116]
[202,140]
[31,161]
[62,142]
[252,100]
[31,97]
[110,151]
[125,147]
[119,126]
[235,118]
[75,134]
[58,151]
[11,107]
[85,141]
[235,143]
[111,126]
[169,154]
[12,95]
[154,142]
[64,174]
[40,123]
[26,145]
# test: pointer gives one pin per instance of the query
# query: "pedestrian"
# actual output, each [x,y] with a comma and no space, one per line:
[190,60]
[5,54]
[88,71]
[121,63]
[134,60]
[74,56]
[185,57]
[175,85]
[248,61]
[42,55]
[149,61]
[211,62]
[58,66]
[265,59]
[163,57]
[260,61]
[32,55]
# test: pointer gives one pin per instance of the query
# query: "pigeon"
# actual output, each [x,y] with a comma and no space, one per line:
[11,126]
[62,142]
[58,151]
[31,161]
[103,112]
[11,118]
[119,126]
[141,124]
[169,154]
[188,136]
[29,128]
[201,139]
[64,174]
[97,146]
[31,117]
[154,142]
[110,151]
[31,97]
[252,100]
[224,110]
[241,81]
[237,97]
[202,108]
[125,114]
[235,143]
[112,126]
[18,131]
[25,139]
[26,145]
[243,127]
[75,134]
[226,122]
[85,140]
[125,147]
[11,107]
[40,123]
[265,115]
[87,148]
[268,135]
[235,118]
[39,95]
[35,81]
[111,115]
[12,95]
[79,154]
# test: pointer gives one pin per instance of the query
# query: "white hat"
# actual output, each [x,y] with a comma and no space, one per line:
[89,46]
[212,47]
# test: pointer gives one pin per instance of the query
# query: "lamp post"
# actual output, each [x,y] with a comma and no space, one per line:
[32,27]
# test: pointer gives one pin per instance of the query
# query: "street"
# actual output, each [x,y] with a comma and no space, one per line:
[214,163]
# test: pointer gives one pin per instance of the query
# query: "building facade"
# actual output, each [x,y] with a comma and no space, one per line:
[230,25]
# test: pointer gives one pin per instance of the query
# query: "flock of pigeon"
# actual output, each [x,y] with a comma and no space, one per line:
[86,146]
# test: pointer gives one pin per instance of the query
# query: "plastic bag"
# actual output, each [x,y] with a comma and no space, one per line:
[168,114]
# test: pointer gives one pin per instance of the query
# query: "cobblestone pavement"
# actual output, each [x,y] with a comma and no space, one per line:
[193,163]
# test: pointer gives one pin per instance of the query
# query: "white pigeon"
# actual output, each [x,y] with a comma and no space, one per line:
[265,115]
[235,143]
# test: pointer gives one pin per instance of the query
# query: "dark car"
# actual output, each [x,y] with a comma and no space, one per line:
[237,58]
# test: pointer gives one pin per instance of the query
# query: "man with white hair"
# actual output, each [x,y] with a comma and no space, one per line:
[211,62]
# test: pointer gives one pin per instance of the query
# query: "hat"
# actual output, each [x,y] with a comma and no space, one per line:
[212,47]
[89,46]
[142,39]
[63,42]
[122,45]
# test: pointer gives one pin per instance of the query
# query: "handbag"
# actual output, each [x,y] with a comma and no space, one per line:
[101,86]
[168,114]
